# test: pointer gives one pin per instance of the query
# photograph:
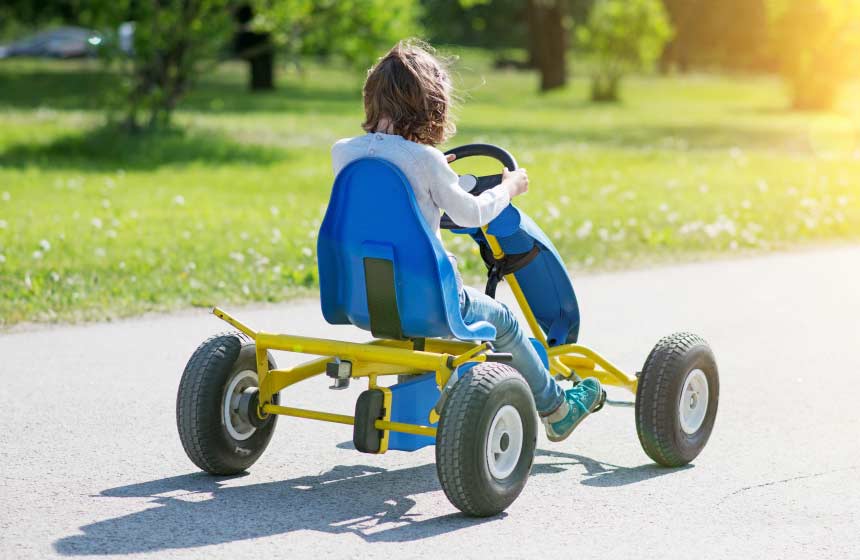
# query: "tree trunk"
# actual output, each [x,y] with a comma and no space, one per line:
[604,88]
[547,20]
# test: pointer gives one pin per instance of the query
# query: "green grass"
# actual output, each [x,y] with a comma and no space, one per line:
[95,225]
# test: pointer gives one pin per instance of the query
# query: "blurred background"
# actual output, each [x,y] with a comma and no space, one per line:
[158,154]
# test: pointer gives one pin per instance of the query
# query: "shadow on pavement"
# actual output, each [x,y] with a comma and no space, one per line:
[197,509]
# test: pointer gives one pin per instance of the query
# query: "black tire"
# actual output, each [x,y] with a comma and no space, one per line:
[461,439]
[658,407]
[200,401]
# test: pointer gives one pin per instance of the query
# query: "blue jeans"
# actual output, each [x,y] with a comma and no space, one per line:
[476,306]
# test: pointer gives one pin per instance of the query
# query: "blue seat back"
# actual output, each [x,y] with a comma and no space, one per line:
[380,266]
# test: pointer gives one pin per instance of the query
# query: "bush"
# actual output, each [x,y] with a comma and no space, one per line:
[622,36]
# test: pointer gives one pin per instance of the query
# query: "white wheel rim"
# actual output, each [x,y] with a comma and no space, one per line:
[238,428]
[694,401]
[505,442]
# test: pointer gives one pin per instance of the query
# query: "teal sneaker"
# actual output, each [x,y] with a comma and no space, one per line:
[578,403]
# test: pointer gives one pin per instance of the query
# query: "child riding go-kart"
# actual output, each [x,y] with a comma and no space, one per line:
[393,278]
[383,269]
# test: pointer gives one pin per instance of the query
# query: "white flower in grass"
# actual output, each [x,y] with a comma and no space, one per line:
[2,258]
[122,265]
[45,245]
[55,276]
[186,234]
[603,233]
[5,196]
[664,207]
[37,255]
[703,188]
[274,210]
[3,224]
[100,252]
[306,251]
[111,233]
[244,236]
[584,230]
[762,185]
[746,204]
[96,223]
[238,257]
[179,200]
[245,289]
[105,203]
[133,214]
[842,200]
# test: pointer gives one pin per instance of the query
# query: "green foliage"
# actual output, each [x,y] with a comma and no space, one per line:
[356,30]
[622,36]
[816,43]
[495,24]
[174,42]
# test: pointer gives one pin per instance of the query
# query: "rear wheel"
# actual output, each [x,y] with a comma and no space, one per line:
[486,439]
[216,406]
[676,400]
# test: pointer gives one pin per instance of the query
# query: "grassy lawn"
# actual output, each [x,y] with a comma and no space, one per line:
[95,226]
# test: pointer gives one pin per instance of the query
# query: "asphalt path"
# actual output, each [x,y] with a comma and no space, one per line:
[92,464]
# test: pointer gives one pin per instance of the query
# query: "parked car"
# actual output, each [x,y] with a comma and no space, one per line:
[59,42]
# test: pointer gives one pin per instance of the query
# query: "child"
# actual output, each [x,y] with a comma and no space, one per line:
[407,99]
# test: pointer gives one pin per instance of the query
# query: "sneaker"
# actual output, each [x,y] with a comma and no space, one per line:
[578,403]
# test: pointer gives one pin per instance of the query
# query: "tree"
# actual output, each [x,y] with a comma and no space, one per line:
[355,30]
[816,43]
[174,41]
[622,36]
[548,35]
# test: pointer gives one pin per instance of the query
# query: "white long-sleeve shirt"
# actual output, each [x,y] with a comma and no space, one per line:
[435,184]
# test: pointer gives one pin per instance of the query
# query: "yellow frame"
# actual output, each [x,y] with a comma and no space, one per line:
[383,357]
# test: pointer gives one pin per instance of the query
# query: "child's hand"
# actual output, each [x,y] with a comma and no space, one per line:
[451,157]
[517,181]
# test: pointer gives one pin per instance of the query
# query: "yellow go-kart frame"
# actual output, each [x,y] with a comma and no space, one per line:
[384,357]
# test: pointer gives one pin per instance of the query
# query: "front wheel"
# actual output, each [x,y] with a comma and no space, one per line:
[486,439]
[215,404]
[676,399]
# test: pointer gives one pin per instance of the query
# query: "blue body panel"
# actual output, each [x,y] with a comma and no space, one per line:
[544,281]
[373,213]
[411,402]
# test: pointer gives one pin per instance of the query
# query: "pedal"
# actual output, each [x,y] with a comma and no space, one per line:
[602,401]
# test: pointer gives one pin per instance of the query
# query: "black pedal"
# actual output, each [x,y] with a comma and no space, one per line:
[368,409]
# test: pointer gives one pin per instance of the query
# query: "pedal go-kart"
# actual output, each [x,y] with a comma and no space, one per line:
[382,270]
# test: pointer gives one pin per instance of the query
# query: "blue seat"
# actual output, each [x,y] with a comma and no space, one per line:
[380,266]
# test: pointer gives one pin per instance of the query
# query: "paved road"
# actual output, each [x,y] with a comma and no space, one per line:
[92,465]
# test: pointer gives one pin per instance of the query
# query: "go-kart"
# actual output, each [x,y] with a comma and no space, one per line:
[382,269]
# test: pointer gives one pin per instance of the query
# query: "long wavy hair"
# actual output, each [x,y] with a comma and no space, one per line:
[411,88]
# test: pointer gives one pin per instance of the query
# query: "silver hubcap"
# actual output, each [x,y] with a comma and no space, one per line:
[505,442]
[239,428]
[694,401]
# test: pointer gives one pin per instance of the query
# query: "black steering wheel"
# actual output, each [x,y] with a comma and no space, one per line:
[473,184]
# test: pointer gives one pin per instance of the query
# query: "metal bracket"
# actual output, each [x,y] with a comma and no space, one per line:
[340,371]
